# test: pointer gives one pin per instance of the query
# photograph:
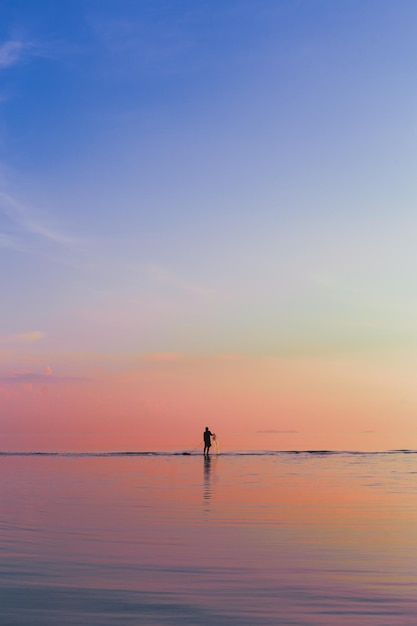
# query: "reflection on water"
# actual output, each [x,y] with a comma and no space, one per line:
[290,539]
[207,478]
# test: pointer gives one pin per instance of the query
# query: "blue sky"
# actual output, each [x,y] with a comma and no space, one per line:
[207,212]
[244,168]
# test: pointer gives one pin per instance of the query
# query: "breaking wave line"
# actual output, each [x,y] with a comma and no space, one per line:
[260,453]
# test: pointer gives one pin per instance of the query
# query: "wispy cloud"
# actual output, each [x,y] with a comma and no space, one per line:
[23,217]
[10,243]
[272,431]
[142,45]
[22,338]
[18,48]
[12,51]
[166,277]
[31,377]
[164,357]
[163,42]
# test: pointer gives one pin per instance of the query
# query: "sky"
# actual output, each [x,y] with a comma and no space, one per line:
[208,217]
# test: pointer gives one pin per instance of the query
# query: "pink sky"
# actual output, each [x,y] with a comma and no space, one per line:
[207,217]
[164,401]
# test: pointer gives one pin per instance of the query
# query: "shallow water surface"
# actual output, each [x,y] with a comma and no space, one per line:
[239,539]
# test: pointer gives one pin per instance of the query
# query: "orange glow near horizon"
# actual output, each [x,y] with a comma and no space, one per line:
[165,401]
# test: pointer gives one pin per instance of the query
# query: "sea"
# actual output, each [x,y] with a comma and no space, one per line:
[299,538]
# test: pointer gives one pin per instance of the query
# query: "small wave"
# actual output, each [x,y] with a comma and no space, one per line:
[185,453]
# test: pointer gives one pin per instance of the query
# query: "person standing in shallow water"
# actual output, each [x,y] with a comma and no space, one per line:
[207,435]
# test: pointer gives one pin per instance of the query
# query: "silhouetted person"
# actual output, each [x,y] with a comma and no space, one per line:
[207,435]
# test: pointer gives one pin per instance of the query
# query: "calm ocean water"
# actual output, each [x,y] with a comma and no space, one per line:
[241,539]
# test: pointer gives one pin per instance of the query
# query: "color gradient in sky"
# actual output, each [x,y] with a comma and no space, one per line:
[208,217]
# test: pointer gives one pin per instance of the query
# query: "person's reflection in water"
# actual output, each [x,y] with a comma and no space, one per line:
[207,478]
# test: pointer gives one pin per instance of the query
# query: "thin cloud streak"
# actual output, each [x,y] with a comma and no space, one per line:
[22,338]
[12,51]
[276,432]
[20,215]
[9,243]
[167,277]
[164,357]
[40,378]
[16,50]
